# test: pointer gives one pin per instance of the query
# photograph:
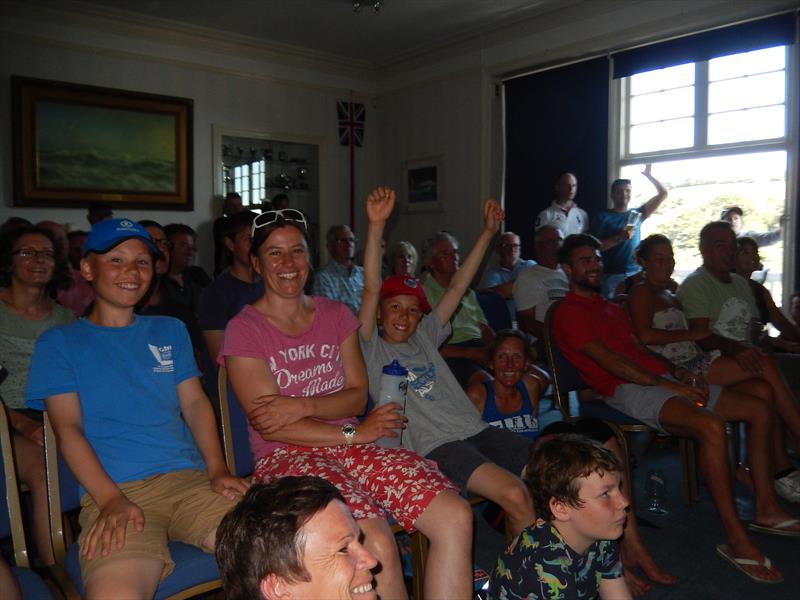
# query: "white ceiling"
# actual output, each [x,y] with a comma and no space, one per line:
[401,29]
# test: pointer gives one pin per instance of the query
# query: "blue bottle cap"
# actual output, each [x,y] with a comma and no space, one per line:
[395,369]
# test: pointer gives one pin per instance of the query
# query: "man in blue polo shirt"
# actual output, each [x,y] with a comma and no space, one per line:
[618,230]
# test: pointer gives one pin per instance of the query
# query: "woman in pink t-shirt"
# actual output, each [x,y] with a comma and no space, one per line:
[296,368]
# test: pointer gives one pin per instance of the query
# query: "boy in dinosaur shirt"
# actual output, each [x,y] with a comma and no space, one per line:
[571,550]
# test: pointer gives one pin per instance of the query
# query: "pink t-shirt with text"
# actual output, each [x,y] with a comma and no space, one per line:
[307,364]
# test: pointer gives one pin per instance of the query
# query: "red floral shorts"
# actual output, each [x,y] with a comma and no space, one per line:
[373,480]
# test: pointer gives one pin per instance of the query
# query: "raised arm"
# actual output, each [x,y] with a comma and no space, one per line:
[492,216]
[641,308]
[291,419]
[116,510]
[652,205]
[380,203]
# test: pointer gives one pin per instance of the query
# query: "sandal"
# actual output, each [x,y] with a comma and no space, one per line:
[778,529]
[741,563]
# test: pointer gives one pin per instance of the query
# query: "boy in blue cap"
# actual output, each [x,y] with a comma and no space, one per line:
[132,422]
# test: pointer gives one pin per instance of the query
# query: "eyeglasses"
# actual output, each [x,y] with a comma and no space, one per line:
[29,253]
[505,245]
[348,241]
[268,217]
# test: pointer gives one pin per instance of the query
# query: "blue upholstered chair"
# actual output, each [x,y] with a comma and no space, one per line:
[11,523]
[496,310]
[566,379]
[195,571]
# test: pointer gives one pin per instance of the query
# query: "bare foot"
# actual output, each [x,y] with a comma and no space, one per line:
[634,554]
[648,565]
[636,585]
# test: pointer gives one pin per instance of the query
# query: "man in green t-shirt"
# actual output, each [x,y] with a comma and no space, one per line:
[720,301]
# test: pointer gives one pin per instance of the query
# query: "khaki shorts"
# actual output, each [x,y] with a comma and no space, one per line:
[178,506]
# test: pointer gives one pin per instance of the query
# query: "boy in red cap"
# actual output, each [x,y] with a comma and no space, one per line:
[443,425]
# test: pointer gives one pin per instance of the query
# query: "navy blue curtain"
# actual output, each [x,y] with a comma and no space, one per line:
[754,35]
[556,121]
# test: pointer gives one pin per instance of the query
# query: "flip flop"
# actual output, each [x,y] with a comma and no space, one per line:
[741,563]
[778,529]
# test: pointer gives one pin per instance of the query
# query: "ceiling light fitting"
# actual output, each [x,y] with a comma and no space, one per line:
[376,5]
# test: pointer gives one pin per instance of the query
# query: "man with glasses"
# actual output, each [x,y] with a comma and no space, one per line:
[341,279]
[500,279]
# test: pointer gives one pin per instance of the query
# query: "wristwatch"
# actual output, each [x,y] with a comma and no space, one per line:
[349,433]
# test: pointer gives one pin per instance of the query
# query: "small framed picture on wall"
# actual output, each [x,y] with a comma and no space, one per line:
[423,184]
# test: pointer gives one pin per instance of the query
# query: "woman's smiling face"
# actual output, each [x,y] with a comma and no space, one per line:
[282,261]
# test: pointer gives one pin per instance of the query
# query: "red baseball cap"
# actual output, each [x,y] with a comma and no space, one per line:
[398,285]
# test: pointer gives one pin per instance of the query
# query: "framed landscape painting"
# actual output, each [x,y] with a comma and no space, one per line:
[76,144]
[423,185]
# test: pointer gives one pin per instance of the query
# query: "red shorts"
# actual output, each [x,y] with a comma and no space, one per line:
[373,480]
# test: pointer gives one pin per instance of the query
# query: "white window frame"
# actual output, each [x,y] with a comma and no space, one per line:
[619,131]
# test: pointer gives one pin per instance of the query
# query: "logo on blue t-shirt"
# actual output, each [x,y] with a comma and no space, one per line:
[163,355]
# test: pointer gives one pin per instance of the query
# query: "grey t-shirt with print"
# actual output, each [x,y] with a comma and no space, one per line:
[729,307]
[437,409]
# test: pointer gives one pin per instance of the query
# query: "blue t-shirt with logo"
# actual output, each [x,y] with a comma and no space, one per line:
[126,379]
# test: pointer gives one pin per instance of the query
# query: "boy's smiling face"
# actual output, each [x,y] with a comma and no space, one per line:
[601,516]
[121,276]
[400,316]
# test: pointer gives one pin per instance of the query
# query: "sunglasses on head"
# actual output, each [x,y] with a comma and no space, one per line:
[268,217]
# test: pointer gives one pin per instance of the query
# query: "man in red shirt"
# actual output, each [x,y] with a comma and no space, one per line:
[597,337]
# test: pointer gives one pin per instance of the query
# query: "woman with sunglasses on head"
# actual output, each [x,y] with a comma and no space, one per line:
[32,269]
[296,368]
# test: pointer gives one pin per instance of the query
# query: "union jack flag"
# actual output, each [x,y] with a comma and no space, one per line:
[351,122]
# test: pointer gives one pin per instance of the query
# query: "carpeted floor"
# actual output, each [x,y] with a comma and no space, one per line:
[684,540]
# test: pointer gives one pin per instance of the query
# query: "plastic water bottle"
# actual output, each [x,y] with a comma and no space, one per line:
[394,383]
[656,490]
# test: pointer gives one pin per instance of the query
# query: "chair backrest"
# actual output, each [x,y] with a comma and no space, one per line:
[564,374]
[233,425]
[495,309]
[10,511]
[63,491]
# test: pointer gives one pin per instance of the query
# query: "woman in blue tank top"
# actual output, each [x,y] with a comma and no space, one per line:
[510,400]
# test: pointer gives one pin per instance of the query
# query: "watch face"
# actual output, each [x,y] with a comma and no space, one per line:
[348,429]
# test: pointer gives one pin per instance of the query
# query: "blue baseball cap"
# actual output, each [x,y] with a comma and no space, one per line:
[104,235]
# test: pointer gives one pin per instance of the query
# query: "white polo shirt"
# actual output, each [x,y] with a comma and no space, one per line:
[574,221]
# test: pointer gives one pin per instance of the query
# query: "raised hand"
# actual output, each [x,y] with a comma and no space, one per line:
[110,525]
[492,215]
[380,203]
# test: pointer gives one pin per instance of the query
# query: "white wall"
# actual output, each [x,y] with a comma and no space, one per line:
[231,90]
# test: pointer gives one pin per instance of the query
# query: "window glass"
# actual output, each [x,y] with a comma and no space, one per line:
[662,105]
[699,188]
[747,63]
[663,135]
[662,79]
[755,90]
[746,125]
